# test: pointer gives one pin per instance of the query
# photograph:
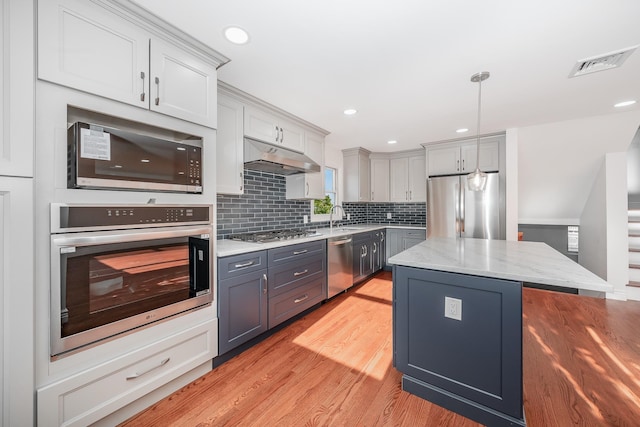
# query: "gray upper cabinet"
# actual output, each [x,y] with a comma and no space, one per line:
[91,47]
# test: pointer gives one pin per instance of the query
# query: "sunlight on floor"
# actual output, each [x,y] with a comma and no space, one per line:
[376,360]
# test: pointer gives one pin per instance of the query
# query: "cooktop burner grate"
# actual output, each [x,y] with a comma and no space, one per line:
[273,235]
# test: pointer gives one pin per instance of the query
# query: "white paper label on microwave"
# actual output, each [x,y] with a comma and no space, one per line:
[95,144]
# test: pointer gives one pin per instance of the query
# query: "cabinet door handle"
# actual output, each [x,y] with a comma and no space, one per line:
[281,135]
[406,195]
[277,134]
[139,374]
[241,181]
[264,283]
[246,264]
[300,273]
[157,91]
[372,198]
[375,247]
[307,188]
[302,298]
[410,195]
[462,164]
[458,165]
[304,251]
[142,95]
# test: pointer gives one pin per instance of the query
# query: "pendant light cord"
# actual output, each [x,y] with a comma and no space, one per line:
[478,127]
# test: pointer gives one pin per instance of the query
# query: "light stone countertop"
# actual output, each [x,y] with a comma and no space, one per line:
[532,262]
[226,247]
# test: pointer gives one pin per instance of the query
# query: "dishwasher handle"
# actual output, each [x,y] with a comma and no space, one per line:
[340,242]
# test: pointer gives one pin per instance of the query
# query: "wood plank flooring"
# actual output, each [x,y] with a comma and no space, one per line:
[333,368]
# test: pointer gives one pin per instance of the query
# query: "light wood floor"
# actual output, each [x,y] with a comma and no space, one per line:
[333,368]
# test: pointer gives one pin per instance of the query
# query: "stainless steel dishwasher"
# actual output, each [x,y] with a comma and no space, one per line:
[340,273]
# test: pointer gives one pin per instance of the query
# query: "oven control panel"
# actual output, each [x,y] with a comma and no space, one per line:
[85,217]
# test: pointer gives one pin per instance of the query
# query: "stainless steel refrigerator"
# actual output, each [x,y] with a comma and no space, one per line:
[455,211]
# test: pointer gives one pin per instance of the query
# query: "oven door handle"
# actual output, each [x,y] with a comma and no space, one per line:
[92,238]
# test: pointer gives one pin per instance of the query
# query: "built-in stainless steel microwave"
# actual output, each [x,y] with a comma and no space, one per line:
[108,158]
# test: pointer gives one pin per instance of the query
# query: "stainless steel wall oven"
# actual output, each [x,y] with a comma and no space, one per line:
[118,268]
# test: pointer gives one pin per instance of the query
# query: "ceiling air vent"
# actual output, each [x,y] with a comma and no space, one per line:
[601,62]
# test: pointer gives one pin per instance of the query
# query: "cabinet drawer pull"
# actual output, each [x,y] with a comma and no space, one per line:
[304,251]
[142,95]
[139,374]
[281,135]
[302,298]
[264,283]
[157,91]
[246,264]
[277,134]
[300,273]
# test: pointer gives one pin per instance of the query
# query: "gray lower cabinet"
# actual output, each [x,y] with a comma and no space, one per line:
[260,290]
[400,239]
[242,299]
[457,339]
[297,279]
[368,254]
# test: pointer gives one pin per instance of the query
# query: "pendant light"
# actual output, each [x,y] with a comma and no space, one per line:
[477,180]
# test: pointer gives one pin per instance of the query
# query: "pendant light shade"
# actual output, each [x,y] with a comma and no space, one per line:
[477,180]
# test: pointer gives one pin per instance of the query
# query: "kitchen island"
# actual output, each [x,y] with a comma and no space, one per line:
[457,320]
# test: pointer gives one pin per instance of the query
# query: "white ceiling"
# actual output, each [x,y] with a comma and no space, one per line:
[405,65]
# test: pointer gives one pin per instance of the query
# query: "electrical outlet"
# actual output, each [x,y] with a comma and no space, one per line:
[348,217]
[453,308]
[388,215]
[305,219]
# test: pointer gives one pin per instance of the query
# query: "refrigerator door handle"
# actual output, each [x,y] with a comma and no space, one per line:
[462,207]
[457,208]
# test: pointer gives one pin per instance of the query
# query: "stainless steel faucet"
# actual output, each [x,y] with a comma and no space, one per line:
[331,216]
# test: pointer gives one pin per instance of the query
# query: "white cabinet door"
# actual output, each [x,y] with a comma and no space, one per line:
[379,180]
[16,88]
[84,46]
[292,136]
[229,147]
[417,179]
[444,161]
[182,86]
[399,179]
[489,157]
[309,185]
[263,126]
[16,303]
[357,175]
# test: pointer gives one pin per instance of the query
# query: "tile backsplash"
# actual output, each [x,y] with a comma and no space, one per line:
[264,206]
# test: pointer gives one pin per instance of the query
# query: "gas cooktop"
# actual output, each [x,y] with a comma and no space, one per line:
[273,235]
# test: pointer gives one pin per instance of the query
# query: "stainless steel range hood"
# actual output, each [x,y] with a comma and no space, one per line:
[270,158]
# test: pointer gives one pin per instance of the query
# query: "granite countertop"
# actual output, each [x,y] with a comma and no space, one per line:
[532,262]
[226,247]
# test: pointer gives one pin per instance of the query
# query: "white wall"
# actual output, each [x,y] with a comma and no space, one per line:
[511,176]
[603,225]
[558,162]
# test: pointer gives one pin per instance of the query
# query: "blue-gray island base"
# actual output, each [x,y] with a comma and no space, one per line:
[457,313]
[472,366]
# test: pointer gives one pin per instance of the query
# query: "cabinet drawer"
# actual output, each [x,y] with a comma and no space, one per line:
[83,399]
[232,266]
[296,300]
[286,276]
[292,252]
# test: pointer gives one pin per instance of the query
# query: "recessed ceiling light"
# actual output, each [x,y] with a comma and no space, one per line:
[350,111]
[624,104]
[393,141]
[236,35]
[462,130]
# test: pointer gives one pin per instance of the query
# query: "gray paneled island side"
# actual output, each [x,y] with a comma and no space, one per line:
[457,320]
